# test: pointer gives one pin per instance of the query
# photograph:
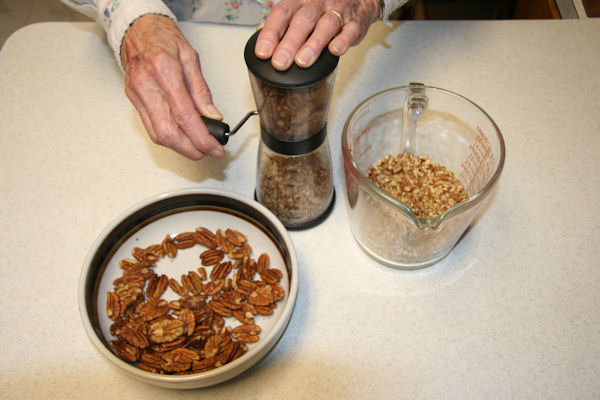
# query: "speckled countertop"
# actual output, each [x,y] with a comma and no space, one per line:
[512,312]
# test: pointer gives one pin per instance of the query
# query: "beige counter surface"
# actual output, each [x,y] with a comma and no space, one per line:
[512,312]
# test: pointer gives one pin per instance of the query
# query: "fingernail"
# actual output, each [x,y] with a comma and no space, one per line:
[263,49]
[305,58]
[335,48]
[281,60]
[212,112]
[217,152]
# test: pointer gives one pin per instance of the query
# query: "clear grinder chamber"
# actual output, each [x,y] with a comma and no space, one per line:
[294,175]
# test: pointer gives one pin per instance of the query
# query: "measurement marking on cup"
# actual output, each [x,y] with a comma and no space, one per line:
[478,162]
[365,151]
[363,133]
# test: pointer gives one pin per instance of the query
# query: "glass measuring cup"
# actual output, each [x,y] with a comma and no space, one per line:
[454,132]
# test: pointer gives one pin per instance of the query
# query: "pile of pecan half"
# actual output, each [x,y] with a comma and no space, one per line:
[191,334]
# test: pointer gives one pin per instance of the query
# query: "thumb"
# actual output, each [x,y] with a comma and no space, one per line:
[197,86]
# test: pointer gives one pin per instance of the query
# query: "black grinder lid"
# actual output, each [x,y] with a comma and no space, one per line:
[293,76]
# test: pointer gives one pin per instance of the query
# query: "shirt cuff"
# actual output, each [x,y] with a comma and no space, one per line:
[86,7]
[117,17]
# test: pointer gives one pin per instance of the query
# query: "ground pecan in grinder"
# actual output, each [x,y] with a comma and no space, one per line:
[294,176]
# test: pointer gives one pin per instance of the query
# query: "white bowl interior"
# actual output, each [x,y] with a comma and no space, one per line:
[148,223]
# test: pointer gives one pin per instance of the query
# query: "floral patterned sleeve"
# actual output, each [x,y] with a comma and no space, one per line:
[117,15]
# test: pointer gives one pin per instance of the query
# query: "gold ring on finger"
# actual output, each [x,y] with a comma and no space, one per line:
[338,16]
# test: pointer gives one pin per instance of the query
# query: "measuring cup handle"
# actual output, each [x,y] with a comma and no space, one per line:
[218,129]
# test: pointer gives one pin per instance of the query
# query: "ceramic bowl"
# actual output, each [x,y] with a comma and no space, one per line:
[171,213]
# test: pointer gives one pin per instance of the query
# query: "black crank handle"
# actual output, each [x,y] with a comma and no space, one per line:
[218,129]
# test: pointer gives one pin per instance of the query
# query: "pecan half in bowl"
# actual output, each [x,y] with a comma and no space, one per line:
[190,288]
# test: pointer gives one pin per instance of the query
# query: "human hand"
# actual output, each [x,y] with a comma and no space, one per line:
[311,26]
[164,82]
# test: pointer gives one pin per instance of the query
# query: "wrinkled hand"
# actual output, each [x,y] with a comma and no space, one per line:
[164,82]
[298,30]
